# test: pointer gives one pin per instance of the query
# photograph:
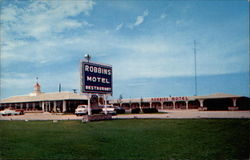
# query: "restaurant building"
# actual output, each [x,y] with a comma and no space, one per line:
[38,101]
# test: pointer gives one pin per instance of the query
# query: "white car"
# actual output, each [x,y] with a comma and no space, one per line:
[81,110]
[8,112]
[110,109]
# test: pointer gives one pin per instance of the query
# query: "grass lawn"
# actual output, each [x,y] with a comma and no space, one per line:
[126,139]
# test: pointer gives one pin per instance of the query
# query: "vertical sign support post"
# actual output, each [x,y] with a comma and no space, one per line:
[89,107]
[105,104]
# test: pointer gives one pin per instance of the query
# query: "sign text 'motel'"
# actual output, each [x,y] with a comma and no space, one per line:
[96,78]
[170,99]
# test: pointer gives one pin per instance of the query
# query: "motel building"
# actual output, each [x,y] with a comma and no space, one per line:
[67,102]
[219,101]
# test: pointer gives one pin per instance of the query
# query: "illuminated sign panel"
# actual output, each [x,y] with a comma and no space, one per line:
[96,78]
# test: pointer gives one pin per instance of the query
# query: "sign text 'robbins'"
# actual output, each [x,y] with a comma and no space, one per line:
[97,78]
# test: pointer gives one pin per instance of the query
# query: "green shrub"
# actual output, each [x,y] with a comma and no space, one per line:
[135,110]
[149,110]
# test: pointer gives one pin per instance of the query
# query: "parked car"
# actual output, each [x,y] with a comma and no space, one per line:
[83,110]
[110,109]
[119,110]
[21,111]
[8,112]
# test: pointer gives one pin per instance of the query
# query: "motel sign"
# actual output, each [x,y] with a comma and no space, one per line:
[170,99]
[96,78]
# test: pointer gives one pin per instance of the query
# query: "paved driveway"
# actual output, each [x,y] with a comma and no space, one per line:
[170,114]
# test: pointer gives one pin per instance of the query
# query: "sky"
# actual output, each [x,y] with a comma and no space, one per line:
[149,43]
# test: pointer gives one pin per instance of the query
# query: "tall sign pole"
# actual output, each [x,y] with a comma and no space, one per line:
[195,69]
[87,57]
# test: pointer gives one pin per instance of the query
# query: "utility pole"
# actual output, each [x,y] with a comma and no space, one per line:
[59,88]
[195,70]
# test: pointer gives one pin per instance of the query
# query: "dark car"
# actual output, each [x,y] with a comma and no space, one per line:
[119,110]
[21,111]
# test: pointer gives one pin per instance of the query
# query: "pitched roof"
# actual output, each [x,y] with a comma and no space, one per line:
[218,95]
[45,97]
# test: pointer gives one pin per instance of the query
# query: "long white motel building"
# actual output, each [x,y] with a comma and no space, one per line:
[218,101]
[68,101]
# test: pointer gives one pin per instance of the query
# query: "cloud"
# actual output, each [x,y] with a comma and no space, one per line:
[163,16]
[139,20]
[43,19]
[33,33]
[178,22]
[119,26]
[9,14]
[139,57]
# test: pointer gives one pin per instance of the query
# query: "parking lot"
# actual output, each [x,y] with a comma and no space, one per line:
[168,114]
